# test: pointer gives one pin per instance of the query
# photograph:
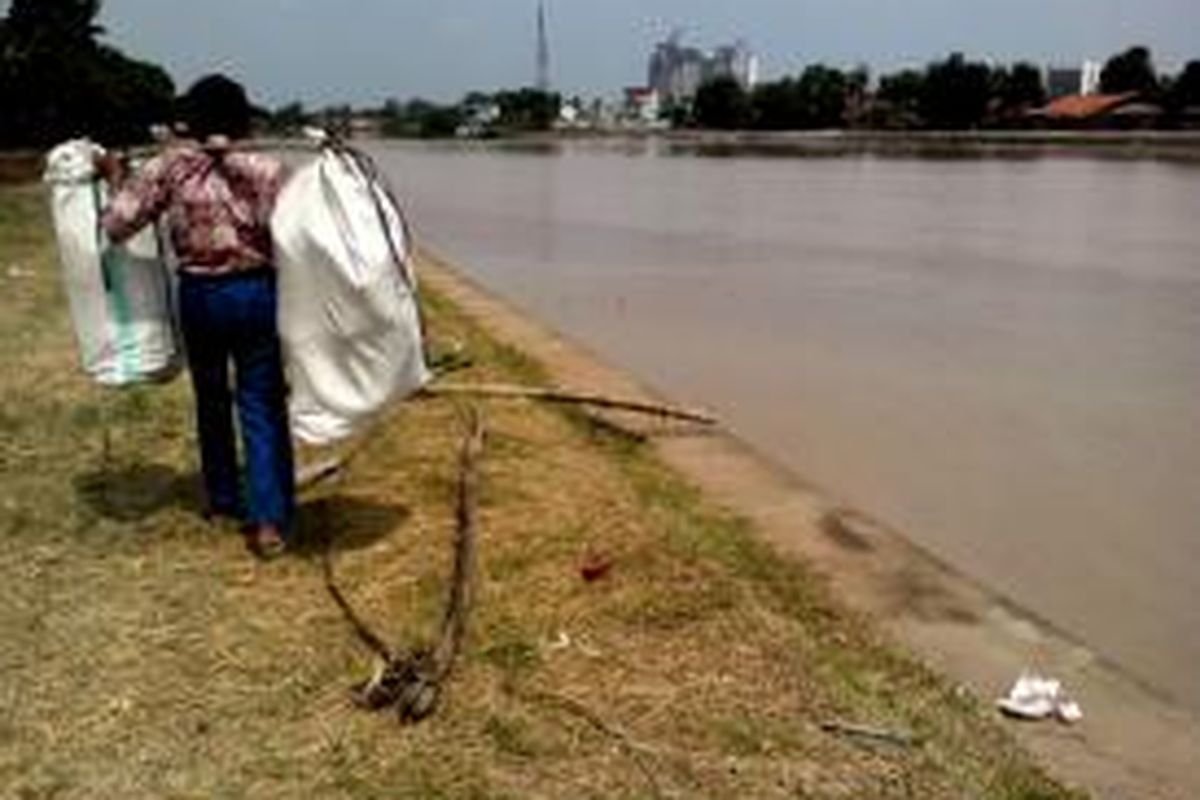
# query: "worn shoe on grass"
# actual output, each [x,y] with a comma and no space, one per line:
[266,543]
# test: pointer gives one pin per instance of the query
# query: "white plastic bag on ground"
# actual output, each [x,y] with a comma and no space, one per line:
[121,297]
[348,312]
[1036,697]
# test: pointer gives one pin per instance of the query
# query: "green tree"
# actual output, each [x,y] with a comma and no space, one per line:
[823,93]
[898,100]
[289,118]
[126,97]
[440,122]
[58,81]
[1185,89]
[54,21]
[421,118]
[778,105]
[677,113]
[955,93]
[858,82]
[476,99]
[528,109]
[1130,71]
[723,104]
[817,99]
[1022,87]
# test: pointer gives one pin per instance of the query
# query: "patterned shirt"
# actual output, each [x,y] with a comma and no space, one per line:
[217,206]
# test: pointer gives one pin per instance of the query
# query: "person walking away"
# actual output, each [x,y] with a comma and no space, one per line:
[217,203]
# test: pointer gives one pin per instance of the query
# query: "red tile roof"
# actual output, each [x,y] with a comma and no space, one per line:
[1086,106]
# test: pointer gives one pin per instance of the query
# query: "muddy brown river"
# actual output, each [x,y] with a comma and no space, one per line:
[999,357]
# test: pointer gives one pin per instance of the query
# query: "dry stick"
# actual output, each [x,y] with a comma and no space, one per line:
[571,398]
[314,474]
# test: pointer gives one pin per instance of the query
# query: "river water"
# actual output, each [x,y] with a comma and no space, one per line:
[999,357]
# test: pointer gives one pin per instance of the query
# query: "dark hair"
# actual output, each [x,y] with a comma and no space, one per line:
[216,105]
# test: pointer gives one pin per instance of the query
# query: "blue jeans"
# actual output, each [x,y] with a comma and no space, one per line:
[231,319]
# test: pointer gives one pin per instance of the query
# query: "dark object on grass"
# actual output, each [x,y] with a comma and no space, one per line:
[594,567]
[412,682]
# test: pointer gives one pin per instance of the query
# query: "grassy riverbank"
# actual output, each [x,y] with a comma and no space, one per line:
[146,655]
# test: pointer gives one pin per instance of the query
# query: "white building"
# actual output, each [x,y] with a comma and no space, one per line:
[643,106]
[1089,82]
[1064,81]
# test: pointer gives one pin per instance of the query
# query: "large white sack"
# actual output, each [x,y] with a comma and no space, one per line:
[348,311]
[121,297]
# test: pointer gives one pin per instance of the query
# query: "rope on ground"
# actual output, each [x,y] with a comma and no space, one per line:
[361,629]
[412,682]
[569,397]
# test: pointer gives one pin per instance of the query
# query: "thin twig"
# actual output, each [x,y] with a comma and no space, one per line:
[569,397]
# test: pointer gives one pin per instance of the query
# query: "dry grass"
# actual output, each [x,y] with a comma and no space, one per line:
[144,654]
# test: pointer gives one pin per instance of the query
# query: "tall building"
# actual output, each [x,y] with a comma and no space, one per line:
[676,71]
[734,61]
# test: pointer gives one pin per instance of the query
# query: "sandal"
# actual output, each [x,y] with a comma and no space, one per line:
[266,543]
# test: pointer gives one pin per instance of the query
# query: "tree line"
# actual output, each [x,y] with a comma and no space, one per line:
[481,113]
[58,80]
[951,94]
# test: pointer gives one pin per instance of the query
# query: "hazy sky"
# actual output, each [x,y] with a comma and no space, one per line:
[367,50]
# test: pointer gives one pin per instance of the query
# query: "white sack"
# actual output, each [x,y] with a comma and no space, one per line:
[121,297]
[348,313]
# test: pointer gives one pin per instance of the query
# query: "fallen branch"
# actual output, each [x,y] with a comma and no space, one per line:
[570,398]
[412,682]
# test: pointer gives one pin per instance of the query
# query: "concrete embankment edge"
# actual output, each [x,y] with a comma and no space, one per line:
[1132,743]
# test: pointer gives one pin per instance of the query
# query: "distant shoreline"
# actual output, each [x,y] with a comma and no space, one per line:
[1182,146]
[1173,146]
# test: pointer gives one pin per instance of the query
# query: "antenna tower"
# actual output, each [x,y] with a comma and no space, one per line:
[543,50]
